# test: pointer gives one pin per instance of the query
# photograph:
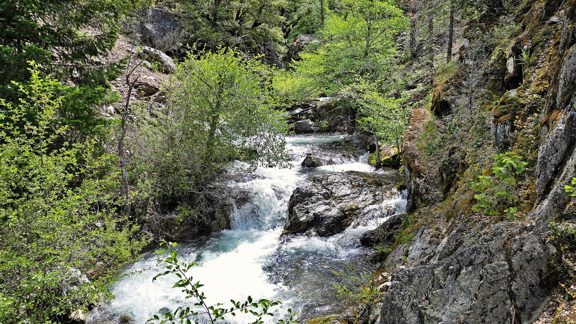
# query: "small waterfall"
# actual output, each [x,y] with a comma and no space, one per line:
[253,258]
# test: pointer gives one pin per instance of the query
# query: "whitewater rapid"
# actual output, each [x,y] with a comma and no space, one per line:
[253,258]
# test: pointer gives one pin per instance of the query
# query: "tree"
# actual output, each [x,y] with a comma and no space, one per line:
[61,238]
[358,42]
[67,39]
[220,108]
[253,27]
[66,35]
[384,116]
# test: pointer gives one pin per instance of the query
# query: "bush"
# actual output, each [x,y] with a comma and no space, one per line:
[62,241]
[496,193]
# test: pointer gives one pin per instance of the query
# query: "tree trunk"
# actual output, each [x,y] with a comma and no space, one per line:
[377,164]
[123,131]
[451,32]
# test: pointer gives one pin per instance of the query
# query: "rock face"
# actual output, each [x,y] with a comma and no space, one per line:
[461,266]
[332,202]
[504,267]
[158,28]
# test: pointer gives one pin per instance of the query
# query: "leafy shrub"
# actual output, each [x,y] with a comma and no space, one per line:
[571,188]
[62,241]
[496,193]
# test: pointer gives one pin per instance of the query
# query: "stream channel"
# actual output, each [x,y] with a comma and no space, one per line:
[253,257]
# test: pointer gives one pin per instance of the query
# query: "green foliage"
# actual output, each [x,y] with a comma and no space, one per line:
[496,194]
[386,117]
[67,39]
[358,43]
[251,27]
[61,239]
[200,311]
[221,108]
[72,33]
[431,141]
[357,288]
[571,188]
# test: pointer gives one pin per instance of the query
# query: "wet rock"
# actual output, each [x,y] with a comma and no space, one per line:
[127,319]
[165,62]
[334,115]
[331,202]
[305,127]
[385,233]
[311,161]
[391,160]
[361,141]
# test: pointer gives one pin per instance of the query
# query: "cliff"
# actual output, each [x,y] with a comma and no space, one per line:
[509,87]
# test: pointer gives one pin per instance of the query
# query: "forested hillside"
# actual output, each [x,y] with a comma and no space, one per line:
[125,125]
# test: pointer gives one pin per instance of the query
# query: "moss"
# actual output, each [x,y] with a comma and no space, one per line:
[323,320]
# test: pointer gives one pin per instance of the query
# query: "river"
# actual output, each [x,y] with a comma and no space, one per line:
[253,258]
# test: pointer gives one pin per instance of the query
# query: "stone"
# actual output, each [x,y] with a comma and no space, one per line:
[147,87]
[305,126]
[159,29]
[385,233]
[502,131]
[567,80]
[78,316]
[332,202]
[553,150]
[311,161]
[472,277]
[165,62]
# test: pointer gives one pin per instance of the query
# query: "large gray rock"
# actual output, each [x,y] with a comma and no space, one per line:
[331,202]
[305,126]
[385,233]
[567,81]
[165,62]
[311,162]
[159,29]
[552,152]
[497,275]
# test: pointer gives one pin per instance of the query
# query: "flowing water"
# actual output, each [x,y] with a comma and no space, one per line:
[253,258]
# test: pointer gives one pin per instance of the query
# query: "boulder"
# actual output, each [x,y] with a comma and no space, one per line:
[332,202]
[159,29]
[311,161]
[385,233]
[147,86]
[165,62]
[305,126]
